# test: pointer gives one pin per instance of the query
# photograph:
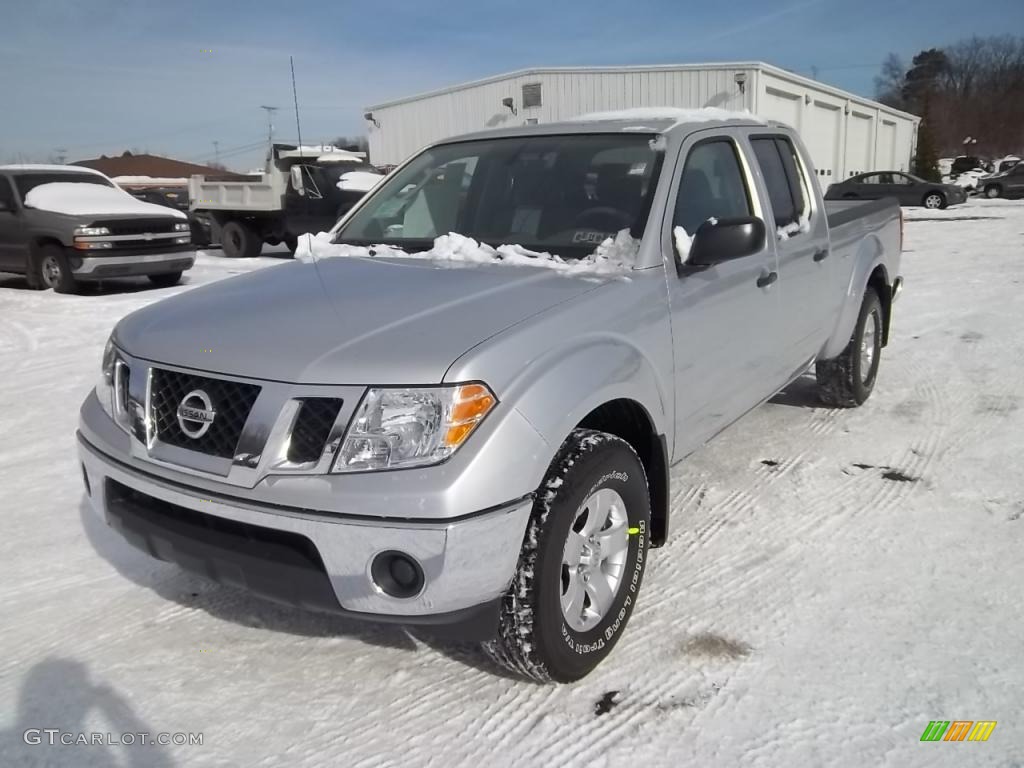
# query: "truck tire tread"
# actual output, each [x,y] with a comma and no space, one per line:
[517,646]
[839,381]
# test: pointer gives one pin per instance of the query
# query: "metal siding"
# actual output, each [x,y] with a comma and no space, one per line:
[859,143]
[407,126]
[822,133]
[886,153]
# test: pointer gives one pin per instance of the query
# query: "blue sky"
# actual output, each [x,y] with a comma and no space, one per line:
[101,76]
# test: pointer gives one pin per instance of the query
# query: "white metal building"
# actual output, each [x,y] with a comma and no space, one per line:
[845,134]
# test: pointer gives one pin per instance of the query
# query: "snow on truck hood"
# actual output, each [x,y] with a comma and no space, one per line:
[343,321]
[84,199]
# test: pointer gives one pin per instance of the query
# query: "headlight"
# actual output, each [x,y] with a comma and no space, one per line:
[105,385]
[181,226]
[91,231]
[398,428]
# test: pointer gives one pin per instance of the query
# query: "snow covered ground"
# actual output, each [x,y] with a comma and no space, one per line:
[836,579]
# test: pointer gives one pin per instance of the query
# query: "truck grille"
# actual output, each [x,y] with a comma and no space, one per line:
[230,402]
[312,428]
[141,226]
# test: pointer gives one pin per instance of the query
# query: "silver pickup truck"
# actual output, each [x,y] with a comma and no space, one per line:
[475,430]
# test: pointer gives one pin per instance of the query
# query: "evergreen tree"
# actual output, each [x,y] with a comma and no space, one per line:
[926,158]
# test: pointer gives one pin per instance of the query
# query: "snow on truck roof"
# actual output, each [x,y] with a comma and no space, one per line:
[642,119]
[40,168]
[673,115]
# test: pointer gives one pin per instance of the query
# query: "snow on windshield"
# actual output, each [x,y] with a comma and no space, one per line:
[87,199]
[615,255]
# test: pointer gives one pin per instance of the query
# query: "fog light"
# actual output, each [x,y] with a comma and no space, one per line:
[397,574]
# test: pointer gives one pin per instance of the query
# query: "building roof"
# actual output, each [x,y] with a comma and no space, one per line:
[152,165]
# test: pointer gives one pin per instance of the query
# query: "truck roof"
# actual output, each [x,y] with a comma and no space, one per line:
[41,168]
[640,120]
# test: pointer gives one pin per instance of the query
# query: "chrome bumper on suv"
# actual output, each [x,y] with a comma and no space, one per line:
[241,510]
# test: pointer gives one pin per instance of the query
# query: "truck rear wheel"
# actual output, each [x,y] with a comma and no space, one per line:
[847,380]
[240,241]
[581,563]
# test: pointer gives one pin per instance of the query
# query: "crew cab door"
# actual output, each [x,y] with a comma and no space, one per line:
[724,317]
[13,238]
[807,293]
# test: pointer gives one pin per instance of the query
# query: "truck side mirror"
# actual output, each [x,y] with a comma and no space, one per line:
[726,239]
[297,184]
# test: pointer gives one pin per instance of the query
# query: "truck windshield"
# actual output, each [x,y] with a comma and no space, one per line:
[28,181]
[560,194]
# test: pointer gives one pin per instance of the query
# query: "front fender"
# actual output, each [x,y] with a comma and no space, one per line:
[557,390]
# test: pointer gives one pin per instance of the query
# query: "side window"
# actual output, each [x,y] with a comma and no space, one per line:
[781,170]
[874,178]
[712,186]
[6,195]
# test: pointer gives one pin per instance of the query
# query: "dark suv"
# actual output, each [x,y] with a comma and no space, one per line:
[61,225]
[1006,184]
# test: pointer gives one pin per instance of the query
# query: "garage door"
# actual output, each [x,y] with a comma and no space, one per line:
[886,158]
[858,144]
[781,106]
[821,134]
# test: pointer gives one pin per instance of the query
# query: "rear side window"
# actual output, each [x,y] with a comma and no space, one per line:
[779,166]
[712,186]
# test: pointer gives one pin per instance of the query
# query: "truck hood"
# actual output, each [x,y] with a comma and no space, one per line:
[344,320]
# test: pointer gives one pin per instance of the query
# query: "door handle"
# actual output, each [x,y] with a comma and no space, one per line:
[821,255]
[765,280]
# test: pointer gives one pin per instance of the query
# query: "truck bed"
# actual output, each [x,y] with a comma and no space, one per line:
[253,196]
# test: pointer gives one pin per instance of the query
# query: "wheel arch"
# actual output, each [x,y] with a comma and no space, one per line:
[870,271]
[601,383]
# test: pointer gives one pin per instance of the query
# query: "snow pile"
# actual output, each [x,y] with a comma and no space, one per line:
[802,226]
[676,114]
[79,199]
[358,181]
[683,241]
[614,255]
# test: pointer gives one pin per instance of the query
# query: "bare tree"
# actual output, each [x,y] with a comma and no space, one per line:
[973,88]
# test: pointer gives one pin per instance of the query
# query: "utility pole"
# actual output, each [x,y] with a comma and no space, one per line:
[216,152]
[62,153]
[270,127]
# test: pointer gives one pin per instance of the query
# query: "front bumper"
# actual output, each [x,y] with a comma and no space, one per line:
[129,265]
[313,559]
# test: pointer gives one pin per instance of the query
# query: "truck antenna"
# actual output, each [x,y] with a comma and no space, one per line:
[298,128]
[295,95]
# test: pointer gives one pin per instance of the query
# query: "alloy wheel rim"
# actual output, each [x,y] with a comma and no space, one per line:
[933,201]
[50,271]
[594,559]
[867,347]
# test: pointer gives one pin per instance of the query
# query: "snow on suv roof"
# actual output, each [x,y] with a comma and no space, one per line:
[49,168]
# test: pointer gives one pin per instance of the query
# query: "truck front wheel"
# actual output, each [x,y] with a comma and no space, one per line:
[581,564]
[49,269]
[847,380]
[240,241]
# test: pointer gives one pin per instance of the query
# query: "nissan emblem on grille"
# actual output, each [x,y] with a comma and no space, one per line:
[196,414]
